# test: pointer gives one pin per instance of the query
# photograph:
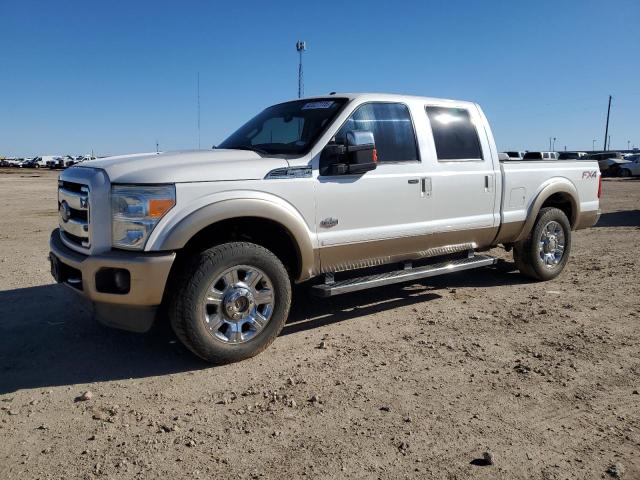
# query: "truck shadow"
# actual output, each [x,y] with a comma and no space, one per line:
[627,218]
[310,312]
[48,338]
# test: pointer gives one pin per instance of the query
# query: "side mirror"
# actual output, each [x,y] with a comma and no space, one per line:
[357,157]
[361,151]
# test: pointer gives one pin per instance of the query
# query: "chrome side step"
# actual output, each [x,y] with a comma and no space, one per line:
[332,288]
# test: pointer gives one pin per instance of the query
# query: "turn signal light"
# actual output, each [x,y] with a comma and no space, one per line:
[159,206]
[374,156]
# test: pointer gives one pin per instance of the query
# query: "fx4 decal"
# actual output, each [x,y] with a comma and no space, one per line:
[590,174]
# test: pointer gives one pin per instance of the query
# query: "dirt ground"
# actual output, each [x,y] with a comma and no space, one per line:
[416,381]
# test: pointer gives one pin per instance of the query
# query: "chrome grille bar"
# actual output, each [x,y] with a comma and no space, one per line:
[76,200]
[73,213]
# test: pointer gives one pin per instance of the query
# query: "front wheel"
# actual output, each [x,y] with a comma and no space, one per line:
[544,254]
[231,302]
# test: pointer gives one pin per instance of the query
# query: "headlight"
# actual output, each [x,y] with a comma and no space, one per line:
[136,210]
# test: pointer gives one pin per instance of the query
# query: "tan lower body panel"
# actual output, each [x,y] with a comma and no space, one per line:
[587,219]
[368,254]
[509,232]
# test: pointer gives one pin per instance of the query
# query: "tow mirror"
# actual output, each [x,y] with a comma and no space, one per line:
[356,157]
[361,150]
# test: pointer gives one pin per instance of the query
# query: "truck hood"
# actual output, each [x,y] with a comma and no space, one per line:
[187,166]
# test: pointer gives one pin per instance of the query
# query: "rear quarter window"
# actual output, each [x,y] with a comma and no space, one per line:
[454,134]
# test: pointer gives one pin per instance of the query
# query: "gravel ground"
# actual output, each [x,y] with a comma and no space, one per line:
[481,374]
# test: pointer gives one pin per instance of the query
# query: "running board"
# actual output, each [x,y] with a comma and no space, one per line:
[331,289]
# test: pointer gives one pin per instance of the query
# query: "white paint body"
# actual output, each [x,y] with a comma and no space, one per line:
[376,206]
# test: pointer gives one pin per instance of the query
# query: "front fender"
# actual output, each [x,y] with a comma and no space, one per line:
[177,231]
[548,188]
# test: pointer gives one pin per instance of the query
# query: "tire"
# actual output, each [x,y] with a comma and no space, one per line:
[207,292]
[540,259]
[625,172]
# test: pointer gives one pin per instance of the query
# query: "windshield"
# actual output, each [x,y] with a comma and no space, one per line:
[532,156]
[569,156]
[287,128]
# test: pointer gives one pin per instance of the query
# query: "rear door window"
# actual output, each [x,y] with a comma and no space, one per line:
[454,134]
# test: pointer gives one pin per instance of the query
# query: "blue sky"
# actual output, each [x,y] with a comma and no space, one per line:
[117,76]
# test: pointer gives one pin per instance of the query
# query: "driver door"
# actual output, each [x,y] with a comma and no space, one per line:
[381,215]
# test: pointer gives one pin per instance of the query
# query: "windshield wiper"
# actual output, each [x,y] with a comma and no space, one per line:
[252,148]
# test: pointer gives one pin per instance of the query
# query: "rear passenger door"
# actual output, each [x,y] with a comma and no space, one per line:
[463,176]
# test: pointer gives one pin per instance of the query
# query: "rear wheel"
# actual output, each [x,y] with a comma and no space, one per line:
[231,302]
[544,254]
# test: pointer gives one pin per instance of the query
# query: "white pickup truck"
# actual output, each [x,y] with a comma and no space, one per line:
[352,191]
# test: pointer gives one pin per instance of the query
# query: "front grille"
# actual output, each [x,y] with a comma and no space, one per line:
[73,212]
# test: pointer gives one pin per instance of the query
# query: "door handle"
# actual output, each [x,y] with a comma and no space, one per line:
[425,190]
[413,181]
[487,183]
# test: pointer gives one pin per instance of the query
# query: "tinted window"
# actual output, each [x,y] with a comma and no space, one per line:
[454,134]
[532,156]
[392,130]
[513,154]
[568,156]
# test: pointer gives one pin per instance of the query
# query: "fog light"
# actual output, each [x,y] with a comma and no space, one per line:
[122,279]
[113,280]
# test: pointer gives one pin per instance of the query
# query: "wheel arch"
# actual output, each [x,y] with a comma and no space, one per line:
[558,193]
[273,224]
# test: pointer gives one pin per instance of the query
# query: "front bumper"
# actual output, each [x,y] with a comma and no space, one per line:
[135,307]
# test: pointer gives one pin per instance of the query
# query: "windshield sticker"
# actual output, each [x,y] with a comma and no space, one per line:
[316,105]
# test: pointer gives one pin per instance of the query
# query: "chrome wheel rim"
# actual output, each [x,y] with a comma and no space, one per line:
[238,304]
[552,244]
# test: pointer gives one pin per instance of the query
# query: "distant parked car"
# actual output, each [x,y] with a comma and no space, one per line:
[609,162]
[540,156]
[84,158]
[632,168]
[515,155]
[41,162]
[68,161]
[55,162]
[572,155]
[27,163]
[13,162]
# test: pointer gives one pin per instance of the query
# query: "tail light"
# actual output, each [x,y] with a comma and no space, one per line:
[599,186]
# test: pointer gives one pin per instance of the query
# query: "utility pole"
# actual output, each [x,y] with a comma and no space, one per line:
[300,47]
[554,145]
[198,110]
[549,143]
[628,143]
[593,145]
[606,130]
[157,146]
